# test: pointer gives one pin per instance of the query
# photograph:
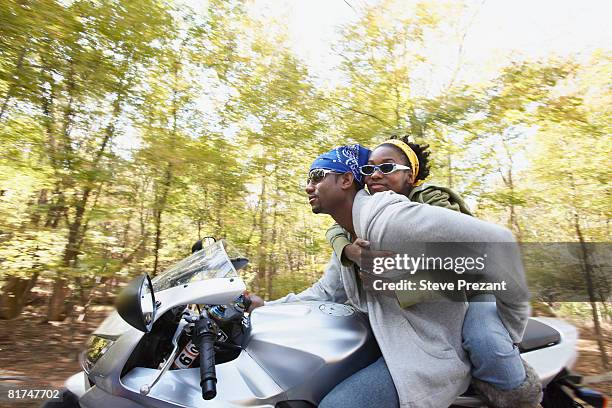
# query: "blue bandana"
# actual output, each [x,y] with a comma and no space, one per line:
[344,159]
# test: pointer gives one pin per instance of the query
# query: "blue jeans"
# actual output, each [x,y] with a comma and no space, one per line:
[495,359]
[371,387]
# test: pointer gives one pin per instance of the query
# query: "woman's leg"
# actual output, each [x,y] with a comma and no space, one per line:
[495,359]
[370,387]
[500,375]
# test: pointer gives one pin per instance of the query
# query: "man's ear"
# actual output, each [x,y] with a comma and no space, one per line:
[346,180]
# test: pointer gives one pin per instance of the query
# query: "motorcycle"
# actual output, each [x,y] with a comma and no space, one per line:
[184,339]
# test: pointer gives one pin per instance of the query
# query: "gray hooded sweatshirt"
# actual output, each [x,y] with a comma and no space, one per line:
[421,344]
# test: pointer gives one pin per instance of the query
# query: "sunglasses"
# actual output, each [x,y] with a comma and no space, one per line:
[315,176]
[385,168]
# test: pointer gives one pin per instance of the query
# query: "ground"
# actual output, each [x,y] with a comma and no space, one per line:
[45,354]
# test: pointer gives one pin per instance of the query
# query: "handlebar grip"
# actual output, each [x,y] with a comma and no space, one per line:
[206,342]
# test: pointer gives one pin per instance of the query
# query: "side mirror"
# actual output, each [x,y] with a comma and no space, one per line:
[136,304]
[201,243]
[239,262]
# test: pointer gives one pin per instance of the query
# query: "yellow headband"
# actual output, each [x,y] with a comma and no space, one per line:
[412,157]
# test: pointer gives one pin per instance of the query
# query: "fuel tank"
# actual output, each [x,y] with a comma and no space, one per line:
[309,347]
[294,351]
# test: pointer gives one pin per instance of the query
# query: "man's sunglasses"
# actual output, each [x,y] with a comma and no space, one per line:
[385,168]
[315,176]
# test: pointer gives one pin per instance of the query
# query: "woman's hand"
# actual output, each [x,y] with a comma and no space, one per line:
[359,251]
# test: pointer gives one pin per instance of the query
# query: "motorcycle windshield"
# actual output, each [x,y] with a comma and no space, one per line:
[213,261]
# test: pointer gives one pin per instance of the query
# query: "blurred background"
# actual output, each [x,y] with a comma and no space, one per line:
[130,129]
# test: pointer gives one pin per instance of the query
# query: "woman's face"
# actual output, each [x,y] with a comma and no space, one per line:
[398,181]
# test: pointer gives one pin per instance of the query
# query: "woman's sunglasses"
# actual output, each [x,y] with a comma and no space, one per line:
[385,168]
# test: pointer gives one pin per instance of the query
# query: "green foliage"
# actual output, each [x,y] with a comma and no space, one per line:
[131,129]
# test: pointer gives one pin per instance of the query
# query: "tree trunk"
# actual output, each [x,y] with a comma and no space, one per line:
[220,226]
[514,223]
[11,87]
[40,202]
[75,231]
[606,309]
[57,307]
[57,208]
[159,209]
[449,166]
[15,293]
[261,250]
[158,232]
[164,190]
[588,272]
[273,253]
[61,152]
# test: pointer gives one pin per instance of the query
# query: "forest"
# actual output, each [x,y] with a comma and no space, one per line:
[130,129]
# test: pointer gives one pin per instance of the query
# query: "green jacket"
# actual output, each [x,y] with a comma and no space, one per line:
[439,196]
[430,194]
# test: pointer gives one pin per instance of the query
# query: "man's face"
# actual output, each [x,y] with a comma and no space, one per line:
[323,191]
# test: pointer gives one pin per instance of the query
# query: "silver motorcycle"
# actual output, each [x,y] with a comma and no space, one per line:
[184,339]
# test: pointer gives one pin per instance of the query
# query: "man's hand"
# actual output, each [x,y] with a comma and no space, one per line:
[360,250]
[256,301]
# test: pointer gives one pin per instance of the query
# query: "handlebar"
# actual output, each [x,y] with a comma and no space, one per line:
[204,337]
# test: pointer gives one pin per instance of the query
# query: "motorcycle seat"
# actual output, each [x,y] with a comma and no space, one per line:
[538,335]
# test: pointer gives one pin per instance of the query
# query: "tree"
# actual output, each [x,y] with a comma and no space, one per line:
[84,60]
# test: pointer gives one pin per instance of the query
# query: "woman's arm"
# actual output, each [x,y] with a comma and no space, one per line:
[338,239]
[440,197]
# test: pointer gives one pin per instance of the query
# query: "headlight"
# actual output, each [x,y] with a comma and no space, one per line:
[97,346]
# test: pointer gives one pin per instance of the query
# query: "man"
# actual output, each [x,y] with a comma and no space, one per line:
[421,345]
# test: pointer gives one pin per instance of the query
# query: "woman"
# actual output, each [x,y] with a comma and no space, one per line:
[498,371]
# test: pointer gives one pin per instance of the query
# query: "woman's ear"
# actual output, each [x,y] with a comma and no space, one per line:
[409,182]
